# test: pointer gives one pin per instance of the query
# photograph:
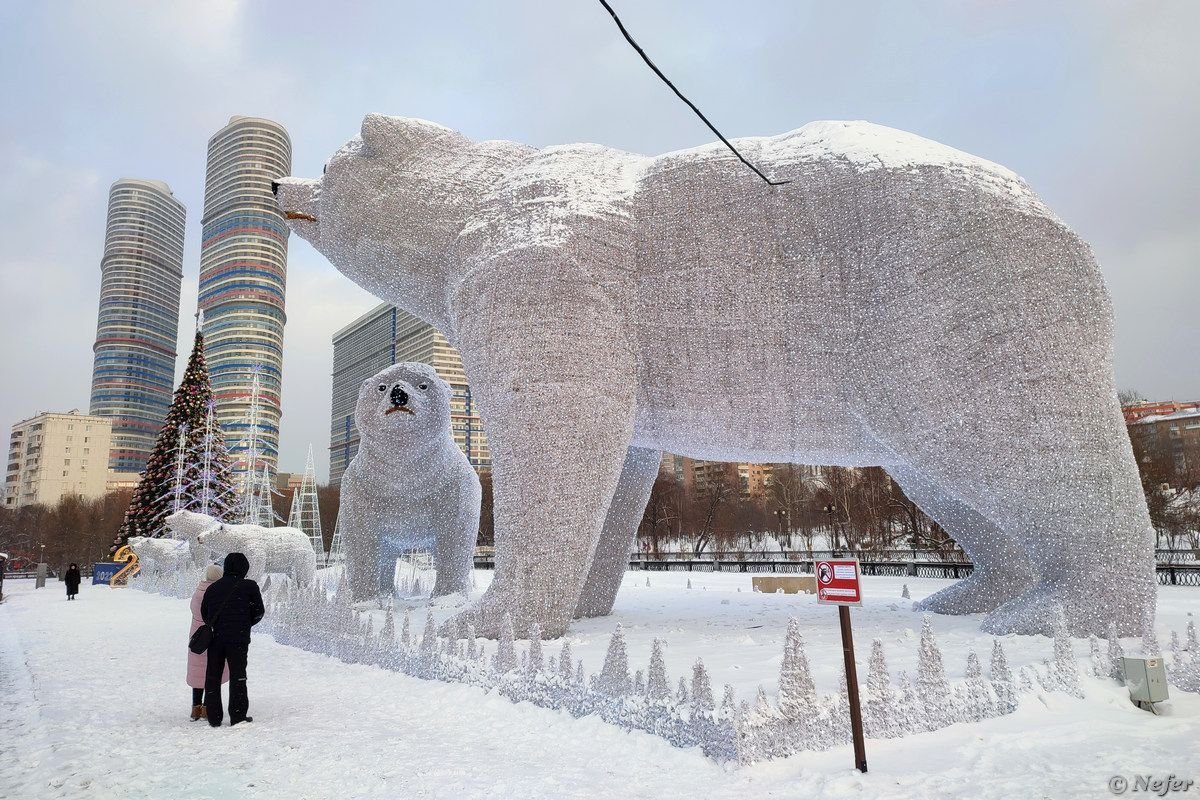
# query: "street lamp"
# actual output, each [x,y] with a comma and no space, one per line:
[831,509]
[782,516]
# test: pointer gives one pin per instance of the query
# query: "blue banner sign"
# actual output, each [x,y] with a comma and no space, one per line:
[102,571]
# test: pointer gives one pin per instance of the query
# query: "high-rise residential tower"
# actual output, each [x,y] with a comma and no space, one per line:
[243,275]
[141,271]
[382,337]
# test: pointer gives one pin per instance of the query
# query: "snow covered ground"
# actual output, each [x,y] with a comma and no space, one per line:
[93,704]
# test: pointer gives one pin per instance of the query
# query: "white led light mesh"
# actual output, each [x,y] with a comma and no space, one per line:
[282,550]
[898,303]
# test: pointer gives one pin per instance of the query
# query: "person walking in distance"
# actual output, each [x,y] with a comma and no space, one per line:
[232,605]
[72,581]
[197,663]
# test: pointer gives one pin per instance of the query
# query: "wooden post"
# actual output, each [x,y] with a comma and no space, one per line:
[856,726]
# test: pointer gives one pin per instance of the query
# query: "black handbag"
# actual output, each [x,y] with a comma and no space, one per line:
[203,636]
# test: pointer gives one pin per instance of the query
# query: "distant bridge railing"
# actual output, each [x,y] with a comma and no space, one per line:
[1168,574]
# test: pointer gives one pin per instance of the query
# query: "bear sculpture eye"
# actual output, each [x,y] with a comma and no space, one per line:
[383,387]
[423,386]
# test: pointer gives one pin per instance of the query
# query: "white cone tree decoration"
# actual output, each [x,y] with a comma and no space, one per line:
[1096,656]
[880,709]
[1002,680]
[614,679]
[1115,654]
[657,687]
[406,630]
[306,512]
[564,662]
[702,691]
[1150,648]
[506,650]
[1066,671]
[537,661]
[931,680]
[797,693]
[977,698]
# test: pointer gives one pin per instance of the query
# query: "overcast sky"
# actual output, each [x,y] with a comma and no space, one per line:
[1094,103]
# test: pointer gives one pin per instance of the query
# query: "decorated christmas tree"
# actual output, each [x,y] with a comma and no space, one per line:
[203,475]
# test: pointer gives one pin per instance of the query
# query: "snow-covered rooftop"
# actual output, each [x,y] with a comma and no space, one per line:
[1182,414]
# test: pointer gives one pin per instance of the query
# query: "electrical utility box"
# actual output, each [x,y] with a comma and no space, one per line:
[1146,679]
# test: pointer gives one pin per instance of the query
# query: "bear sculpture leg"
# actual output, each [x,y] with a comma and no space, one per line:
[1088,530]
[550,506]
[304,568]
[611,559]
[456,543]
[1002,568]
[1028,431]
[363,549]
[560,413]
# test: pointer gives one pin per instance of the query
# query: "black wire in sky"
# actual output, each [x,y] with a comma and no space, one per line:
[679,94]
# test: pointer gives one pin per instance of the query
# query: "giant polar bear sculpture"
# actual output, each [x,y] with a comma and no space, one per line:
[898,303]
[408,486]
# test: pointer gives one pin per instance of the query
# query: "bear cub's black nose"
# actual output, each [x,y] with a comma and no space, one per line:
[275,188]
[399,396]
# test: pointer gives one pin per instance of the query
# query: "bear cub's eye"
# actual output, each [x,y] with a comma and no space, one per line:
[423,386]
[383,387]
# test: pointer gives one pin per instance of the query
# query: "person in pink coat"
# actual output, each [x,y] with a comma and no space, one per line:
[197,663]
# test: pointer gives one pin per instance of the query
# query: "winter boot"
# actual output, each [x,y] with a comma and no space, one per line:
[197,712]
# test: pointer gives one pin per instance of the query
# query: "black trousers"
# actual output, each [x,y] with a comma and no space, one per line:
[220,653]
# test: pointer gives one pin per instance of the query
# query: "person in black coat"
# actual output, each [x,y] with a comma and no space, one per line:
[72,581]
[232,605]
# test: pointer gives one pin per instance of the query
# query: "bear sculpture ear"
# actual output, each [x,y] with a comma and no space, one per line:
[377,132]
[396,135]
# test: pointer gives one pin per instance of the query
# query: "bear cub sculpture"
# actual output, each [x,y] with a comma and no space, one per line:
[161,555]
[409,487]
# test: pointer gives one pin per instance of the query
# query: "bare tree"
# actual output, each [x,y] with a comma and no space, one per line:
[1130,397]
[790,490]
[75,529]
[662,510]
[712,501]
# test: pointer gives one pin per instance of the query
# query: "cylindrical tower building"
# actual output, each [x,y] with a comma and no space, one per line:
[243,275]
[133,373]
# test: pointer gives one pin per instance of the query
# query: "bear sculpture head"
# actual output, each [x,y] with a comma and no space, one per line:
[391,203]
[189,524]
[403,406]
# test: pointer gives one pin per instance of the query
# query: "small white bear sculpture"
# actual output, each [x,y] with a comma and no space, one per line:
[188,525]
[284,550]
[895,303]
[409,486]
[160,555]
